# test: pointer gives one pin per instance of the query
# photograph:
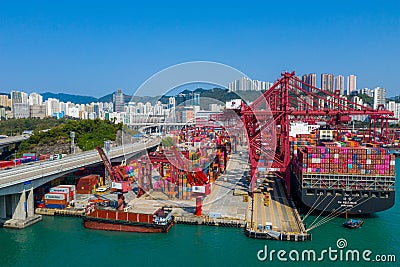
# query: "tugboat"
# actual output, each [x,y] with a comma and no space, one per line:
[352,223]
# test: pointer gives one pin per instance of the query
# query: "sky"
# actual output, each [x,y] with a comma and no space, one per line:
[94,47]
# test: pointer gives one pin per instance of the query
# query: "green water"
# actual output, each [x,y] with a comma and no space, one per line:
[58,241]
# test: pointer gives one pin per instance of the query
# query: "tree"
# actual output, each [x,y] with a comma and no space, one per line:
[167,142]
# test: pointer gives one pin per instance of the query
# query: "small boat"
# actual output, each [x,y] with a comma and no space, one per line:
[352,223]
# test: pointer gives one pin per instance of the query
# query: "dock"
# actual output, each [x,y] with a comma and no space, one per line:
[275,218]
[60,212]
[20,224]
[226,200]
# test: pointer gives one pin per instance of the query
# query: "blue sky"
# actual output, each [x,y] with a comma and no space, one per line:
[94,47]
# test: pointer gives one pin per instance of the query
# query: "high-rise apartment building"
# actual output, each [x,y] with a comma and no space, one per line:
[52,106]
[35,99]
[20,106]
[379,96]
[21,110]
[339,84]
[327,82]
[118,101]
[4,101]
[364,91]
[19,97]
[188,99]
[37,111]
[351,83]
[247,84]
[395,107]
[310,79]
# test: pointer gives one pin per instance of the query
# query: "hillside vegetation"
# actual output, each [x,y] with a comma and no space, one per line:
[17,126]
[88,135]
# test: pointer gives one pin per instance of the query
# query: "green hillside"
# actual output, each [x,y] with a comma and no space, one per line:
[17,126]
[88,135]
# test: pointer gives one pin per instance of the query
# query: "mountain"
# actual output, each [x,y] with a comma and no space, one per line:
[208,94]
[77,99]
[106,98]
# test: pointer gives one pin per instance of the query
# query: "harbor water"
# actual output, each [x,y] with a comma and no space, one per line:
[61,241]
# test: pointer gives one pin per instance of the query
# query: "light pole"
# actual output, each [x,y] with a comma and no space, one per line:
[72,135]
[107,149]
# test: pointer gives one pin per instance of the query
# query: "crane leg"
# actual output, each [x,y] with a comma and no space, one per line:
[121,202]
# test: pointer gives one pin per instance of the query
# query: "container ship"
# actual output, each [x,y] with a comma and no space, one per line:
[341,176]
[114,220]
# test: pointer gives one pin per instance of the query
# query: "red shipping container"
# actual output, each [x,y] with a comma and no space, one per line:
[53,201]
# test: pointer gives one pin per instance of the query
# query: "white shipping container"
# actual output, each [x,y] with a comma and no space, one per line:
[54,196]
[199,189]
[60,189]
[392,162]
[336,156]
[368,161]
[215,215]
[71,187]
[116,185]
[316,160]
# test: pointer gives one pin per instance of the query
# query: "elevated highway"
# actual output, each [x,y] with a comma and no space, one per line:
[4,142]
[17,184]
[9,144]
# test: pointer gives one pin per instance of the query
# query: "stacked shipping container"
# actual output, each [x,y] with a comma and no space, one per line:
[346,160]
[357,168]
[301,140]
[60,196]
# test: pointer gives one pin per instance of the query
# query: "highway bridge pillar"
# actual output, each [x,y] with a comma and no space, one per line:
[17,210]
[19,206]
[30,203]
[3,213]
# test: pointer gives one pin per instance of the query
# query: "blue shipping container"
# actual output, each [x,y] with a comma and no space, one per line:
[55,206]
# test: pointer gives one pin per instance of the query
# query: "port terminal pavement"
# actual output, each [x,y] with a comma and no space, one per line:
[229,204]
[224,205]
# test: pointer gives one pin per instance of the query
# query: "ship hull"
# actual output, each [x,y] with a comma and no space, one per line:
[102,219]
[339,200]
[125,227]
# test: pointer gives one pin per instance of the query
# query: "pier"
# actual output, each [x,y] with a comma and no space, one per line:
[271,215]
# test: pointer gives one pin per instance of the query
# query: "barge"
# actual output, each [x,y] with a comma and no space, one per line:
[113,220]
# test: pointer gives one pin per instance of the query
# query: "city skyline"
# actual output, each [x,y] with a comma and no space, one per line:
[345,84]
[97,48]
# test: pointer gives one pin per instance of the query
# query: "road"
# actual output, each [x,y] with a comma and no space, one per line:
[46,168]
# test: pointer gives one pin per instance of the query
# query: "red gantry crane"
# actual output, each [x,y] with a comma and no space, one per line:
[120,180]
[266,121]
